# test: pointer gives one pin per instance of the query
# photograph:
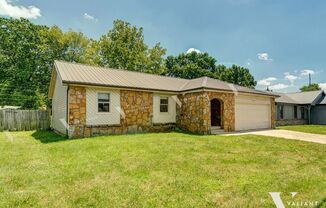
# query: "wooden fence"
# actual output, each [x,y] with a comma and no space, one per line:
[24,120]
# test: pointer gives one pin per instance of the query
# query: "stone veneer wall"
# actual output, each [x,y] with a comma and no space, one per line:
[138,111]
[273,114]
[192,115]
[286,122]
[77,111]
[194,112]
[136,116]
[228,109]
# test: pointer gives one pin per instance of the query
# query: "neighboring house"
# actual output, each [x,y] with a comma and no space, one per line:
[88,101]
[301,108]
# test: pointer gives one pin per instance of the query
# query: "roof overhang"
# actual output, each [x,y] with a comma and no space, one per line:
[85,84]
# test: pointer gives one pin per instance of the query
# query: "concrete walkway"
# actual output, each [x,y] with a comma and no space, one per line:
[308,137]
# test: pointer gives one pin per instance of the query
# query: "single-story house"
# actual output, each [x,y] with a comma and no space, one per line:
[301,108]
[88,101]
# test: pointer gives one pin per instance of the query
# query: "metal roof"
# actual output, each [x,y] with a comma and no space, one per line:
[73,73]
[90,75]
[300,97]
[284,98]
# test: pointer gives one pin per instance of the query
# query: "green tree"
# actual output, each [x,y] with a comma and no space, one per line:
[312,87]
[27,54]
[22,63]
[236,74]
[123,47]
[194,65]
[71,46]
[75,45]
[92,53]
[190,65]
[28,51]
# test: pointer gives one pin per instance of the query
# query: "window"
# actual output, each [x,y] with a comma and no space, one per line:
[103,100]
[302,113]
[281,111]
[164,104]
[295,112]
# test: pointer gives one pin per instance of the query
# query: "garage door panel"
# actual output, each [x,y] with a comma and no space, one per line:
[252,115]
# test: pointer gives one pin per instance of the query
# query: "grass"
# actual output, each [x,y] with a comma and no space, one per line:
[42,169]
[315,129]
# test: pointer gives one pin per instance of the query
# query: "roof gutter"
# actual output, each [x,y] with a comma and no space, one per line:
[117,86]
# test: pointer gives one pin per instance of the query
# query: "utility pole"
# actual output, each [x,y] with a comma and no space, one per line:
[309,79]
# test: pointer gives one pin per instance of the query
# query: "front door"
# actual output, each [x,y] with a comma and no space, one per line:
[215,112]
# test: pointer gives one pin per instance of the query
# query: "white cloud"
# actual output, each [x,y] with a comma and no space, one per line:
[306,72]
[8,9]
[290,77]
[192,50]
[89,17]
[322,86]
[278,86]
[264,57]
[266,82]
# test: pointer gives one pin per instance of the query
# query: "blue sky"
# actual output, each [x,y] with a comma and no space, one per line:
[280,41]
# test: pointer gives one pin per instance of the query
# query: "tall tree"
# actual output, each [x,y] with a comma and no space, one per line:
[312,87]
[76,45]
[237,75]
[92,53]
[194,65]
[190,65]
[27,52]
[123,47]
[23,63]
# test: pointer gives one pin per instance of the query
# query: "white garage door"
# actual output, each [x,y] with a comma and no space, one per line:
[252,113]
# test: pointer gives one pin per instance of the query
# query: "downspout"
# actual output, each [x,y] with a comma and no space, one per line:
[67,112]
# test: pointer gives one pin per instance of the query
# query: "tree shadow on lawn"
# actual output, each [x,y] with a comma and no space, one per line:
[48,137]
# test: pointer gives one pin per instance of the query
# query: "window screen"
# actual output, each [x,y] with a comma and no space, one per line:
[103,102]
[164,104]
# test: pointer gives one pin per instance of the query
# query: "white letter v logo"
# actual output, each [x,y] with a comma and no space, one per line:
[277,199]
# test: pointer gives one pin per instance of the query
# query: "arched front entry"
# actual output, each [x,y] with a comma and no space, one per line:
[216,116]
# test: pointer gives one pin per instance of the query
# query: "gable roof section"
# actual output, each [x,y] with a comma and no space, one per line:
[215,84]
[322,100]
[72,73]
[312,97]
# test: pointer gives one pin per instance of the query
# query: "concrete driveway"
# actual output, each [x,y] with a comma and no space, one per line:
[317,138]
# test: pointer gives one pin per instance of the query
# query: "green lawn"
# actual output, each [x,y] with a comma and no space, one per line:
[41,169]
[315,129]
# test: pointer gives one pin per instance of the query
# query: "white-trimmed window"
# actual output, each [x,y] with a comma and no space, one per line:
[164,104]
[103,100]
